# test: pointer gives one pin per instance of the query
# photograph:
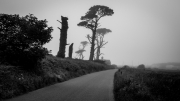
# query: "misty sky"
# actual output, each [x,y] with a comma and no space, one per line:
[143,31]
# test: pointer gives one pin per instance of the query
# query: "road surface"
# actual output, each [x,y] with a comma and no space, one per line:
[91,87]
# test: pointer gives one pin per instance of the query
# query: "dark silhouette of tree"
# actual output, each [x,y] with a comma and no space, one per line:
[81,50]
[63,37]
[22,40]
[70,50]
[90,21]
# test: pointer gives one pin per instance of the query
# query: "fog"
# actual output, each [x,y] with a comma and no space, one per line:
[143,31]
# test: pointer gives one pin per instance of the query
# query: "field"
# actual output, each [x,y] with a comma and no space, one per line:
[132,84]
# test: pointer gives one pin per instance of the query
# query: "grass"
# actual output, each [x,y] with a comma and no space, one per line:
[132,84]
[15,82]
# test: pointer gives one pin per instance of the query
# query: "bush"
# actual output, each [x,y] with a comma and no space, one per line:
[100,61]
[22,39]
[142,66]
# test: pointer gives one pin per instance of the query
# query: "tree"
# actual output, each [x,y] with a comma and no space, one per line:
[63,37]
[90,21]
[22,40]
[80,54]
[81,49]
[99,41]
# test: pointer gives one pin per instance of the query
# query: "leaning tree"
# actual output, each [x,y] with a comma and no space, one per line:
[90,21]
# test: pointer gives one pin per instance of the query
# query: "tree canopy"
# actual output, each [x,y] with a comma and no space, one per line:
[90,21]
[22,39]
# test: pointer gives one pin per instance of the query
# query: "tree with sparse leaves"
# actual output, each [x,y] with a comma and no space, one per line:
[100,33]
[99,41]
[90,21]
[81,50]
[22,40]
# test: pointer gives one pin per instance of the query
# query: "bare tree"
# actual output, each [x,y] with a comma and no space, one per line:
[63,37]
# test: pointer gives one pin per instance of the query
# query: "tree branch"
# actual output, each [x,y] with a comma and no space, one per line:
[59,28]
[59,21]
[103,44]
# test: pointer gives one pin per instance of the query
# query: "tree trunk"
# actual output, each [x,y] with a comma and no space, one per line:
[70,50]
[63,37]
[92,45]
[98,53]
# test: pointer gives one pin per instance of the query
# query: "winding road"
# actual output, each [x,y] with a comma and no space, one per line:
[96,86]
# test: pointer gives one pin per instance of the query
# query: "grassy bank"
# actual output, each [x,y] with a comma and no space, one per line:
[146,85]
[14,81]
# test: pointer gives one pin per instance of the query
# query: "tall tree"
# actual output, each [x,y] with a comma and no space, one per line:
[99,41]
[90,21]
[100,33]
[63,37]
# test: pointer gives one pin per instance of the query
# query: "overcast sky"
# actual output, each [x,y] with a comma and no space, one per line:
[143,31]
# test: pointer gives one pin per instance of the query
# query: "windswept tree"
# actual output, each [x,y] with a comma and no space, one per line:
[99,41]
[80,54]
[100,33]
[81,50]
[91,19]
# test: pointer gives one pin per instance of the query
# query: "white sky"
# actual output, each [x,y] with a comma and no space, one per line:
[143,31]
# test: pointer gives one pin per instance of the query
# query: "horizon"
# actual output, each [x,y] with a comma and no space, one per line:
[143,32]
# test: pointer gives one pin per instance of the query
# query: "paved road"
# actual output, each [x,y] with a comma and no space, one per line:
[92,87]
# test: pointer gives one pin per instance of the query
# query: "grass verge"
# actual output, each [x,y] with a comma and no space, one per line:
[14,81]
[132,84]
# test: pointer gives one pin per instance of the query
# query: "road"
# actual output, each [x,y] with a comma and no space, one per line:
[96,86]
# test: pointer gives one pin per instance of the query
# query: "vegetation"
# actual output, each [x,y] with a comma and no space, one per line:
[99,41]
[81,50]
[22,39]
[142,66]
[132,84]
[90,21]
[15,81]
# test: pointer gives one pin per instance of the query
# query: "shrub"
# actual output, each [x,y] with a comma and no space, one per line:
[22,39]
[100,61]
[142,66]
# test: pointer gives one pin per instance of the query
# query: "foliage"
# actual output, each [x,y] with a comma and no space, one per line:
[132,84]
[99,41]
[22,39]
[14,81]
[142,66]
[90,21]
[100,61]
[81,50]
